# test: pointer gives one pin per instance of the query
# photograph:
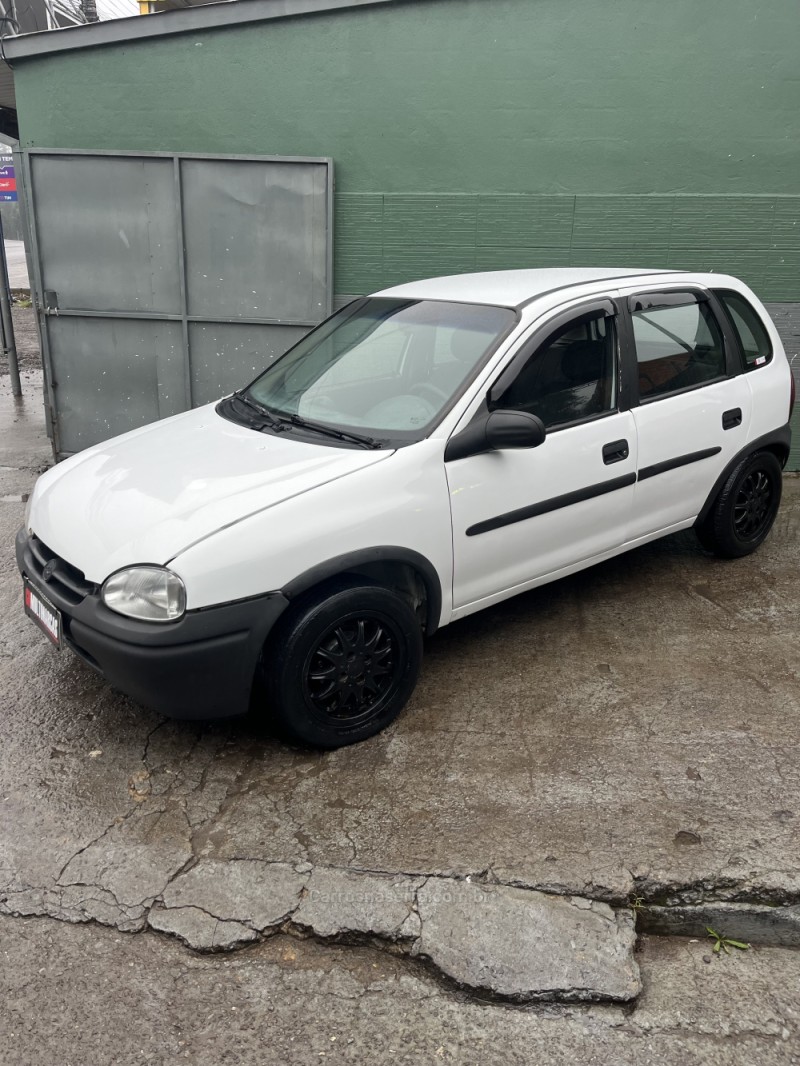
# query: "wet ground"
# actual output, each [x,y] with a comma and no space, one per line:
[91,997]
[631,727]
[630,733]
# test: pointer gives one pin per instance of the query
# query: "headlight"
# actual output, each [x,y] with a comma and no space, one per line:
[28,513]
[149,593]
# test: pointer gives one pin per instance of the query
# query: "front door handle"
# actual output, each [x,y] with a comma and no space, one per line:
[732,418]
[615,452]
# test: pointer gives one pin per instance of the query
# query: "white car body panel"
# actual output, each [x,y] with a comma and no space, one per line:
[145,496]
[677,495]
[401,503]
[565,571]
[513,288]
[493,483]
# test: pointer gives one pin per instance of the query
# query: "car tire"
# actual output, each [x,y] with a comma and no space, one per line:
[342,664]
[745,508]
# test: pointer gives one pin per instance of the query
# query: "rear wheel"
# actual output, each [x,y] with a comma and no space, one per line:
[342,664]
[743,512]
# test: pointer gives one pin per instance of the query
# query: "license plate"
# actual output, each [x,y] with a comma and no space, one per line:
[41,610]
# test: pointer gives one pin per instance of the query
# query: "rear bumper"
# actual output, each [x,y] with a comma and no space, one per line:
[199,667]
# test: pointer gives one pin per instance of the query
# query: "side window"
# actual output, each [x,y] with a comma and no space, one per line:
[749,328]
[571,376]
[677,347]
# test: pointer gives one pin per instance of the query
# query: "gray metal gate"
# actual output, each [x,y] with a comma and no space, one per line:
[163,281]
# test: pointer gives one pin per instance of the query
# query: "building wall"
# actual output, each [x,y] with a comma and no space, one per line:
[480,134]
[470,134]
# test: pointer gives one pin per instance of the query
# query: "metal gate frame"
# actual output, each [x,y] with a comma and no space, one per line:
[29,220]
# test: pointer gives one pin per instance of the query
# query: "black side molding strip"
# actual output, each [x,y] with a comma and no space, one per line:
[780,438]
[673,464]
[554,504]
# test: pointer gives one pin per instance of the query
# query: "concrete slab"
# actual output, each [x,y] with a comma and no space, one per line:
[350,901]
[87,995]
[508,942]
[199,929]
[258,894]
[525,945]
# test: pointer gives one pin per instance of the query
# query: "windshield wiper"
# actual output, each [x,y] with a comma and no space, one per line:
[279,421]
[266,418]
[331,431]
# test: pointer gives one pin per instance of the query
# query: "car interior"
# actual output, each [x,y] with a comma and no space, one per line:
[568,378]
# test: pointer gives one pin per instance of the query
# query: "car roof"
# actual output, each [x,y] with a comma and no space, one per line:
[511,288]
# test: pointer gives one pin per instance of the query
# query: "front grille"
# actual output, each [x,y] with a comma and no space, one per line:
[51,571]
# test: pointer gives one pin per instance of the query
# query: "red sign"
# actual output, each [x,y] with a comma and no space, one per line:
[8,184]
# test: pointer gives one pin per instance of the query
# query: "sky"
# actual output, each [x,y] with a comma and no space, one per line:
[113,9]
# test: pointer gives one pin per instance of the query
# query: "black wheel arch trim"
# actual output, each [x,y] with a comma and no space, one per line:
[342,564]
[781,437]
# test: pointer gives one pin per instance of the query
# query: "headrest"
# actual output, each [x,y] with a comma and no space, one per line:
[584,361]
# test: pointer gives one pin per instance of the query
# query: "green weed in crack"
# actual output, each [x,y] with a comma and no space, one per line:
[725,943]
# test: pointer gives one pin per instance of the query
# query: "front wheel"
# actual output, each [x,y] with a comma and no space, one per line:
[342,664]
[743,512]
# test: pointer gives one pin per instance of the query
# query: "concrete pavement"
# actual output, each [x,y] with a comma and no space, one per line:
[89,996]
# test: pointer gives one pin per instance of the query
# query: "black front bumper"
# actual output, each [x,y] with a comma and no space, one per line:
[201,666]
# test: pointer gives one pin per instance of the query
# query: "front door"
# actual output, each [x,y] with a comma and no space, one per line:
[521,515]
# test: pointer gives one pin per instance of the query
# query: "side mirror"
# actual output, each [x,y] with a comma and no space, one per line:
[495,431]
[514,429]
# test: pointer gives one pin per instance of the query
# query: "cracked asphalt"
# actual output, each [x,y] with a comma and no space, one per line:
[630,732]
[84,997]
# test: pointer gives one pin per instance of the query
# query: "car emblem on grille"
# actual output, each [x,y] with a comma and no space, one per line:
[49,569]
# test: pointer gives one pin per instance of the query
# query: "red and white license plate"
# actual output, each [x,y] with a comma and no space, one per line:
[41,610]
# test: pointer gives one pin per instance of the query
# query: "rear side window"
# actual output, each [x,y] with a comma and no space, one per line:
[677,347]
[746,321]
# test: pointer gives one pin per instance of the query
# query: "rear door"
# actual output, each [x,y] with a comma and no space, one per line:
[692,407]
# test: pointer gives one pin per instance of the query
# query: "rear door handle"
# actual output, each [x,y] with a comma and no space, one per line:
[615,452]
[732,418]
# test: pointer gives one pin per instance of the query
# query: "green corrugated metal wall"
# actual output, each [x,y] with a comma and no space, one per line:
[387,238]
[474,135]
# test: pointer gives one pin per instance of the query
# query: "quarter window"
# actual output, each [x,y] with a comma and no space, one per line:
[753,337]
[572,376]
[677,347]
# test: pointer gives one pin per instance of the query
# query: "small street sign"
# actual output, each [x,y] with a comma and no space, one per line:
[8,179]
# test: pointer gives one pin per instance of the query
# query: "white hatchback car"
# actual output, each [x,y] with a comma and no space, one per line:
[424,453]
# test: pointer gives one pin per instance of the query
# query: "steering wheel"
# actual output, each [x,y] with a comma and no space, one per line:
[428,392]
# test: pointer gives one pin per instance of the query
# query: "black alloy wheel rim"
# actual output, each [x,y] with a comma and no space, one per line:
[751,512]
[353,670]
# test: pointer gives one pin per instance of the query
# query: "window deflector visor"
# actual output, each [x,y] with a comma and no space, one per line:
[576,316]
[649,301]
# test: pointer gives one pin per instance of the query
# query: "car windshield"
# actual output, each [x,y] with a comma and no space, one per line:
[382,367]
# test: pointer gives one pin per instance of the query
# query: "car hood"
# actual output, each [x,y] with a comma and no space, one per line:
[148,495]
